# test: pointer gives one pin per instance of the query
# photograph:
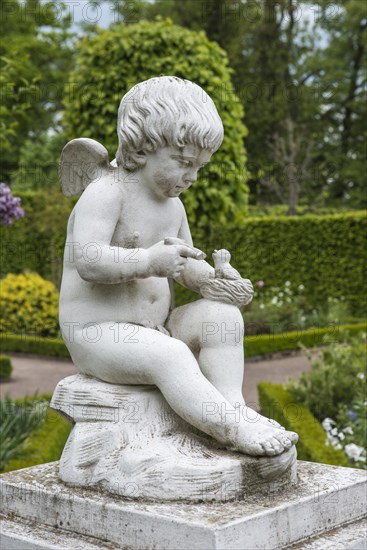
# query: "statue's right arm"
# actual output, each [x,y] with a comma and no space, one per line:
[95,218]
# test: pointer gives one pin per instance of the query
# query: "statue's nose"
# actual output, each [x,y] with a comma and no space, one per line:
[191,177]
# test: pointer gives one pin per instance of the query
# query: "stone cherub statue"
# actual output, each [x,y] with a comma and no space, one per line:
[127,236]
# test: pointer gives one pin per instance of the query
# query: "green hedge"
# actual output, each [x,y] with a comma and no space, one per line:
[52,347]
[6,367]
[45,444]
[277,403]
[324,253]
[254,345]
[310,338]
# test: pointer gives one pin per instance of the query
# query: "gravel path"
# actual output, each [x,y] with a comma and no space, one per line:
[41,374]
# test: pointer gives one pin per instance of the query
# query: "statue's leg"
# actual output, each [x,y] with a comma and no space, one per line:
[131,354]
[214,332]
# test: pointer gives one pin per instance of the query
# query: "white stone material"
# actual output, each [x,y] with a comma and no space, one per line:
[326,498]
[128,237]
[126,438]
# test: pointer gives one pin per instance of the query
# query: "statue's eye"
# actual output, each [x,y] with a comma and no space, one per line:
[184,162]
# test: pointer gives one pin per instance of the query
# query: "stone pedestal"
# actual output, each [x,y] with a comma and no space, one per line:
[41,512]
[129,442]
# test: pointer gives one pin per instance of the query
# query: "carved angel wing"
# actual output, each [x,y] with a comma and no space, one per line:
[82,161]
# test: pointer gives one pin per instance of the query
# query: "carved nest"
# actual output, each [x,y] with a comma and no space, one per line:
[238,292]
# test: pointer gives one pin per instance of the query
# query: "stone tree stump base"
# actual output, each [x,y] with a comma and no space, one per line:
[128,441]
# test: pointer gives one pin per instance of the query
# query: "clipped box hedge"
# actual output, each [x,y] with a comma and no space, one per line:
[277,403]
[313,337]
[254,345]
[52,347]
[324,253]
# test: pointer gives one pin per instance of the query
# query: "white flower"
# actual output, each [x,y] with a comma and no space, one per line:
[261,306]
[348,430]
[281,294]
[274,301]
[355,452]
[335,443]
[334,431]
[301,287]
[287,283]
[327,424]
[341,436]
[360,375]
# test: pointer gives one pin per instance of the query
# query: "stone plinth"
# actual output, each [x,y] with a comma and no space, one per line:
[42,512]
[129,442]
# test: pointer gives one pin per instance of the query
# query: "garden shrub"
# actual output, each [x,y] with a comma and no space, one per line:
[28,304]
[144,50]
[18,419]
[335,392]
[44,444]
[277,403]
[6,366]
[36,242]
[335,377]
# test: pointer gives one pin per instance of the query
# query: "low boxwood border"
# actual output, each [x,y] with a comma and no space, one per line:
[262,344]
[310,338]
[277,403]
[52,347]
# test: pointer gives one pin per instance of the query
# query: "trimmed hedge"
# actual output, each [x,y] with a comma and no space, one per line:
[312,337]
[324,253]
[6,367]
[254,345]
[277,403]
[52,347]
[45,444]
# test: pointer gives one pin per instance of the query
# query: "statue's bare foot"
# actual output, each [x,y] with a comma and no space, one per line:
[252,416]
[263,440]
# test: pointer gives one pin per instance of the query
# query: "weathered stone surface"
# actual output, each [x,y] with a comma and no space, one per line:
[127,239]
[127,440]
[326,498]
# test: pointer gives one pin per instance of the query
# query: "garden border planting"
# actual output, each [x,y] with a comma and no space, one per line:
[277,403]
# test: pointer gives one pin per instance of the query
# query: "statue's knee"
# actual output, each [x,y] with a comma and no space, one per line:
[174,353]
[222,324]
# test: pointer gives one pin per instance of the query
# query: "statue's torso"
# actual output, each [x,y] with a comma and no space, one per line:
[141,224]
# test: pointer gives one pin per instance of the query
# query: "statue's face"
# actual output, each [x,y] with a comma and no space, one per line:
[169,171]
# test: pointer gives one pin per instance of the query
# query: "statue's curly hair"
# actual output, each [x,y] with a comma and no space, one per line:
[165,111]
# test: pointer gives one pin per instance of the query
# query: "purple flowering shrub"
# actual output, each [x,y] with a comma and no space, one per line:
[10,209]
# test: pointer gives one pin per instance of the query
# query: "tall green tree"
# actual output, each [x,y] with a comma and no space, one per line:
[111,62]
[341,134]
[299,71]
[35,58]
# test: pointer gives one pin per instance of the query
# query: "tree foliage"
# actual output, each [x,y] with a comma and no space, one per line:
[300,73]
[35,57]
[111,62]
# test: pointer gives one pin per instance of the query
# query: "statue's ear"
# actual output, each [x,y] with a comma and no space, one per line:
[139,158]
[82,161]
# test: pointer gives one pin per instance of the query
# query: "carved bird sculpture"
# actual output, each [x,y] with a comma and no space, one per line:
[223,269]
